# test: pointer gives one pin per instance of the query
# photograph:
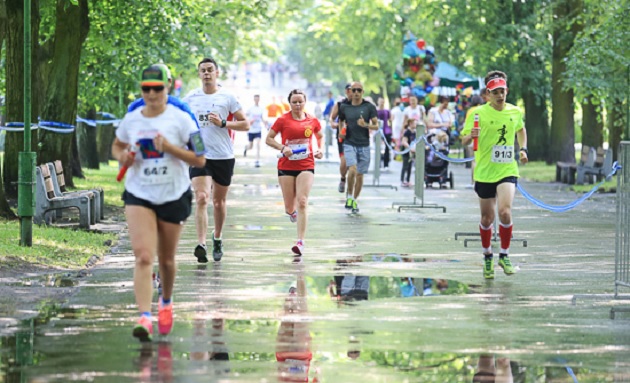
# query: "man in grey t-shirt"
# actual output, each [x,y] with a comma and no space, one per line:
[358,117]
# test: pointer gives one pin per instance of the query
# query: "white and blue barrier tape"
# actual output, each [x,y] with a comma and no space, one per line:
[444,157]
[411,145]
[59,127]
[569,206]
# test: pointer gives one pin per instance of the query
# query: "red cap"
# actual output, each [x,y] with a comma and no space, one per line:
[496,83]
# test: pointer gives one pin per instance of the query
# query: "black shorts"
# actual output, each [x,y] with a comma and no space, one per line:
[293,173]
[486,190]
[173,212]
[253,136]
[340,147]
[221,171]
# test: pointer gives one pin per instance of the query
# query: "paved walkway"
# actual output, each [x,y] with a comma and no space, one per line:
[414,305]
[238,309]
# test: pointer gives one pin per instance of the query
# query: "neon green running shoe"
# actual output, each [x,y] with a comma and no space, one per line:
[504,262]
[349,203]
[488,267]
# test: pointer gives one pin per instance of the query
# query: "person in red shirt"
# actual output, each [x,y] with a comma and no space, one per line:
[296,167]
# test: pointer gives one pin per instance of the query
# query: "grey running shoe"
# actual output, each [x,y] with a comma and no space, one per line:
[217,249]
[342,186]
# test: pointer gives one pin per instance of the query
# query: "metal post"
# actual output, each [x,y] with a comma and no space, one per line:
[327,139]
[376,182]
[622,236]
[26,159]
[418,187]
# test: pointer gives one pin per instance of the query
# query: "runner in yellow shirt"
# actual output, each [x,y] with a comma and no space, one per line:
[496,172]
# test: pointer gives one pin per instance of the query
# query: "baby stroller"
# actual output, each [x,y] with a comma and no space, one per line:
[436,168]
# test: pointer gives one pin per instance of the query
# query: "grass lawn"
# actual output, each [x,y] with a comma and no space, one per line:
[52,247]
[539,171]
[63,247]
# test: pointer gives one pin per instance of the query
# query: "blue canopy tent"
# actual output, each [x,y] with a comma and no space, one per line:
[451,76]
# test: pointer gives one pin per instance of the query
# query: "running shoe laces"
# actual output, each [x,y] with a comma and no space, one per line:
[217,249]
[506,265]
[488,267]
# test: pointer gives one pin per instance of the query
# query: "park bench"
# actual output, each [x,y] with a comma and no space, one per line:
[45,200]
[565,172]
[60,181]
[95,195]
[598,165]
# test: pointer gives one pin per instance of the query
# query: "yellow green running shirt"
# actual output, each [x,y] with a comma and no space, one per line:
[495,153]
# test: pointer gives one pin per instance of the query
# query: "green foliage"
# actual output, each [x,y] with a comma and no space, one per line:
[52,247]
[600,57]
[126,37]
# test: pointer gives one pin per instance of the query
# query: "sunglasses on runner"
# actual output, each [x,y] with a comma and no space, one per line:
[357,90]
[156,89]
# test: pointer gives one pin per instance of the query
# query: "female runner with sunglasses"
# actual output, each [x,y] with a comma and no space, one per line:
[157,192]
[296,168]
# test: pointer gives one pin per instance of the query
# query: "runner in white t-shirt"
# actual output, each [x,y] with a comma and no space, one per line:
[217,112]
[256,116]
[157,192]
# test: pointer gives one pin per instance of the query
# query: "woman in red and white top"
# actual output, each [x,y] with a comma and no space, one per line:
[296,167]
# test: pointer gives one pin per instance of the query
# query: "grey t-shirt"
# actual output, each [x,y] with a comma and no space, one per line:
[355,134]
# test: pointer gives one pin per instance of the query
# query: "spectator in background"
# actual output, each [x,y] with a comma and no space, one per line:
[385,116]
[414,111]
[329,105]
[476,101]
[398,117]
[409,136]
[274,110]
[440,118]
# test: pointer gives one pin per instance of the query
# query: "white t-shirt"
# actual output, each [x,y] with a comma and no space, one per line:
[157,177]
[416,113]
[397,121]
[255,114]
[217,139]
[438,118]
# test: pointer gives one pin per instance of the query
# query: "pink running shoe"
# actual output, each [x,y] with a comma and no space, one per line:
[298,249]
[165,317]
[293,217]
[143,329]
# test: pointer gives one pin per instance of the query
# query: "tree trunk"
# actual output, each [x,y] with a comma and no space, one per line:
[86,140]
[616,115]
[72,26]
[14,142]
[104,138]
[537,124]
[592,124]
[562,138]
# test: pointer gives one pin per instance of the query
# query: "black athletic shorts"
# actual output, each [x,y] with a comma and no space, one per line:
[173,212]
[221,171]
[293,173]
[486,190]
[340,147]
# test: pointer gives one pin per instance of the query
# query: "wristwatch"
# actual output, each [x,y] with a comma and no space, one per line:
[524,149]
[223,123]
